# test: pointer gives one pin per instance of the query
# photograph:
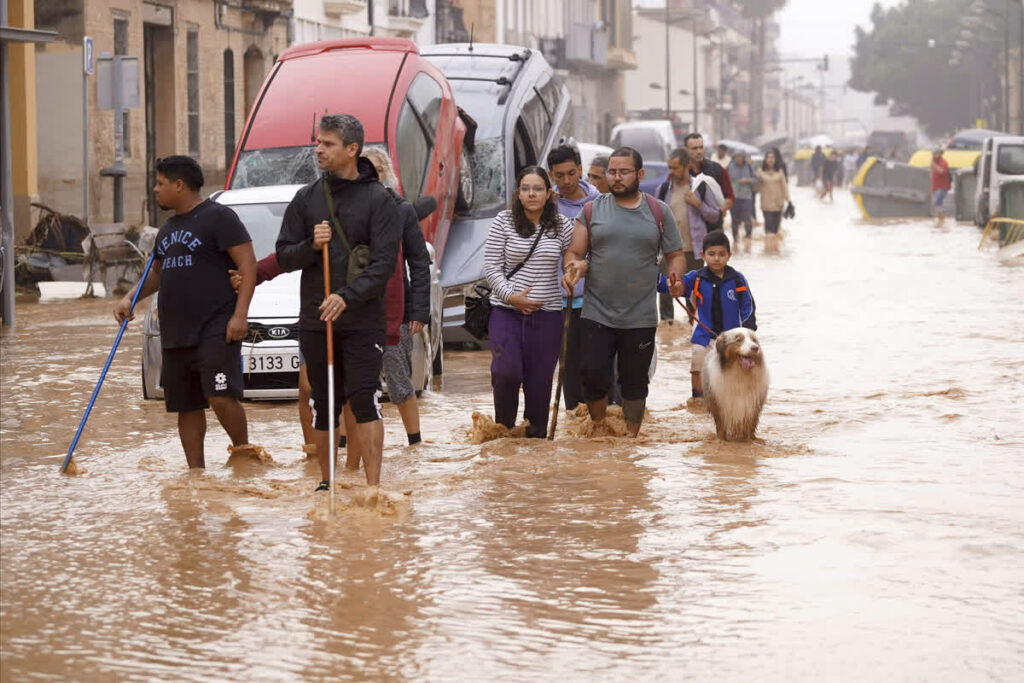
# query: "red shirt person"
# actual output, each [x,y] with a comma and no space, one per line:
[940,183]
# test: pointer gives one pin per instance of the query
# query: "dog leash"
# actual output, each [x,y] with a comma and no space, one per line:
[674,279]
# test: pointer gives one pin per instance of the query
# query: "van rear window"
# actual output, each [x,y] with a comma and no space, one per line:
[1010,160]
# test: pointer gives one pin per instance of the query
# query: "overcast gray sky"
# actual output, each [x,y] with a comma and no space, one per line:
[815,27]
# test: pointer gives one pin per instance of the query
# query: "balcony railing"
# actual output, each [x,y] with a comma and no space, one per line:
[337,8]
[405,17]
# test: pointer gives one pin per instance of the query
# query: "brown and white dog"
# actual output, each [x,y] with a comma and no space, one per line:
[735,383]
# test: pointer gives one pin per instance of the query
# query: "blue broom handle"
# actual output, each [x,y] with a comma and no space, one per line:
[113,349]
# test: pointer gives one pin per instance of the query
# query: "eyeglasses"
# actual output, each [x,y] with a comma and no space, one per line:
[619,172]
[535,189]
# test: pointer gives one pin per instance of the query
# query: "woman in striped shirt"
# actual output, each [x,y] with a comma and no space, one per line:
[525,328]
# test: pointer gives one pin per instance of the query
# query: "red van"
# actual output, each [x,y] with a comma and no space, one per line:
[404,102]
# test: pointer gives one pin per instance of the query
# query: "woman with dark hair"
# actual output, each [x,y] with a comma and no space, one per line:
[774,192]
[780,161]
[522,258]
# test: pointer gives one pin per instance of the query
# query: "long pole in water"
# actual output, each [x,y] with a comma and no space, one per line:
[561,371]
[332,447]
[103,375]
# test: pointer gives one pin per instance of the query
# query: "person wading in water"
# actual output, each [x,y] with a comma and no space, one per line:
[202,320]
[616,246]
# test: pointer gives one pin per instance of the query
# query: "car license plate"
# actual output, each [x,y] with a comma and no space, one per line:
[271,362]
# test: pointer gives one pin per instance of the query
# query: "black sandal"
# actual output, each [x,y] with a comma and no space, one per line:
[324,486]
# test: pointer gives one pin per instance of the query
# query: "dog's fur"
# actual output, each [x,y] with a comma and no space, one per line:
[735,383]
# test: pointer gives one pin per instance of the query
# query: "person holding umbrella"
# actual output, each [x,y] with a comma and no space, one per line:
[350,214]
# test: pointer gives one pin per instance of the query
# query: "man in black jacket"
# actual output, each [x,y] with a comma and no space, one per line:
[368,214]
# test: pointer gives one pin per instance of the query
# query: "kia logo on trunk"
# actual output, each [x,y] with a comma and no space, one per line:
[277,332]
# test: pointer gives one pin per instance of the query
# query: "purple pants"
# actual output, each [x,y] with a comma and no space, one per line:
[524,352]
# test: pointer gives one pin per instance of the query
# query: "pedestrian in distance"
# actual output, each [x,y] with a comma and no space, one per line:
[616,246]
[940,184]
[721,156]
[818,170]
[694,144]
[202,320]
[566,170]
[831,175]
[596,173]
[693,206]
[774,191]
[849,166]
[723,302]
[743,177]
[348,212]
[522,259]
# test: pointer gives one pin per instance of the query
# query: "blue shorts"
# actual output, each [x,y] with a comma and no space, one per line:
[938,197]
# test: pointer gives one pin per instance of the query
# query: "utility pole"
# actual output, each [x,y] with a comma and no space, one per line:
[696,97]
[668,84]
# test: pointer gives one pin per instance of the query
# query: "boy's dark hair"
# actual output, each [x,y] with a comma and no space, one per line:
[716,238]
[680,155]
[562,154]
[638,161]
[183,168]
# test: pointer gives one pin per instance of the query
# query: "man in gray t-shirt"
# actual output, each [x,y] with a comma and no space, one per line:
[618,253]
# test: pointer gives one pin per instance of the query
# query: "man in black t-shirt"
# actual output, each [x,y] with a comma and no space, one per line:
[202,320]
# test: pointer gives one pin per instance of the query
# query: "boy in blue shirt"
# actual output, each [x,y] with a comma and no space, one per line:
[722,299]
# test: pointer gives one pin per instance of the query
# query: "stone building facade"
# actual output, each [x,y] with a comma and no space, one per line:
[200,66]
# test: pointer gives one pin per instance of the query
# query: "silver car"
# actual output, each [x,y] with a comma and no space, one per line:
[270,352]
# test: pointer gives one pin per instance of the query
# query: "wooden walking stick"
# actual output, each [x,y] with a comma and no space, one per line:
[561,371]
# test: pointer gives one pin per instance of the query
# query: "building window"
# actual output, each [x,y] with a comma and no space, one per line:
[229,106]
[121,48]
[192,81]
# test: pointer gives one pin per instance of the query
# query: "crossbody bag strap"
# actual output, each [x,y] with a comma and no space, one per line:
[334,219]
[522,263]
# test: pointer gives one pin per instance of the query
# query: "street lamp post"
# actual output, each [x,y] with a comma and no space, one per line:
[668,83]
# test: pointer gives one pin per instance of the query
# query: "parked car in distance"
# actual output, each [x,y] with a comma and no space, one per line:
[521,109]
[1002,161]
[270,353]
[972,139]
[655,140]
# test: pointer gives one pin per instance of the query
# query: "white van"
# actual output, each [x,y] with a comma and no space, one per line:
[1002,160]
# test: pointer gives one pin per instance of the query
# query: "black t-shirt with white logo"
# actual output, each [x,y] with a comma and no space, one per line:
[196,299]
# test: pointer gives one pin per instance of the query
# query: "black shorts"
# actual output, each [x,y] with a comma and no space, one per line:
[358,358]
[599,344]
[192,374]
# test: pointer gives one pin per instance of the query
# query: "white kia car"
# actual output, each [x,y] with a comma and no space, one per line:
[270,352]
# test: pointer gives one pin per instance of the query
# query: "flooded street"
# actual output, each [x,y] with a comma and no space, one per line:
[876,532]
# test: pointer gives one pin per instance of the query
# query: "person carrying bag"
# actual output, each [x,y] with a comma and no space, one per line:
[522,260]
[478,308]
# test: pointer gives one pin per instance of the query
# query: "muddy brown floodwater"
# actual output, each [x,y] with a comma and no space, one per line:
[876,532]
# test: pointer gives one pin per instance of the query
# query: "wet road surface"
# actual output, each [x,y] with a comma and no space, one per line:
[875,532]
